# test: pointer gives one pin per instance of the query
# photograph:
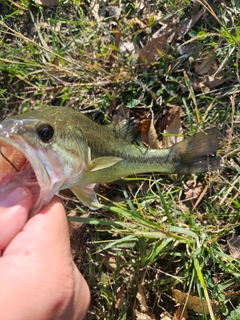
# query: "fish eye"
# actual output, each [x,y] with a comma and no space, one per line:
[45,132]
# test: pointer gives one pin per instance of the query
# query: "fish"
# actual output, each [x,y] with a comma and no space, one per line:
[56,148]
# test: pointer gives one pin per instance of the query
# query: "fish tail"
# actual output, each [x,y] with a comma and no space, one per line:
[198,153]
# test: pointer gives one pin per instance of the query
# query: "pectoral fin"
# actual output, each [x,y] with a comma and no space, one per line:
[87,195]
[101,163]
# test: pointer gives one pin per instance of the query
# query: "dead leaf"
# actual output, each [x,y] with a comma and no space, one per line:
[109,262]
[95,10]
[214,81]
[193,302]
[207,65]
[141,298]
[193,190]
[144,316]
[74,225]
[114,10]
[168,117]
[233,242]
[181,313]
[120,298]
[140,23]
[187,25]
[153,137]
[165,316]
[116,32]
[165,36]
[174,128]
[148,134]
[208,69]
[152,50]
[47,3]
[169,27]
[120,112]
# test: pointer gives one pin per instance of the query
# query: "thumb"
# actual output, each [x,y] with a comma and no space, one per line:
[14,210]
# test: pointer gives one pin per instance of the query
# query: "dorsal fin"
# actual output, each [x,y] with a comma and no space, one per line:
[127,129]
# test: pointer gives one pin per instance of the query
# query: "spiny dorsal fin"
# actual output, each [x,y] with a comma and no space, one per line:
[127,129]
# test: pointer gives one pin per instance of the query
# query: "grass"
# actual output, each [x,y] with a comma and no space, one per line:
[151,237]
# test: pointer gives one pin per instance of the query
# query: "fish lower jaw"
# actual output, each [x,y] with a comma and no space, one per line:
[16,170]
[27,179]
[21,166]
[5,180]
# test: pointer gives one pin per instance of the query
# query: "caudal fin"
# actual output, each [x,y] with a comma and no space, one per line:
[198,153]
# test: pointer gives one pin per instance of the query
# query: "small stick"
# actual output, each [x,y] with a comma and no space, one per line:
[9,161]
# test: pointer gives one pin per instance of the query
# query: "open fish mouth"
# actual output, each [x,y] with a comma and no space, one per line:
[19,168]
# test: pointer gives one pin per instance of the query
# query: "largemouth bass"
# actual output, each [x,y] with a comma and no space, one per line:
[55,148]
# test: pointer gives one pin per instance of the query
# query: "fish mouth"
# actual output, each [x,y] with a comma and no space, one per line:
[21,167]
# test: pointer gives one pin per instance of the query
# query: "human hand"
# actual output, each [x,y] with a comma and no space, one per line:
[38,279]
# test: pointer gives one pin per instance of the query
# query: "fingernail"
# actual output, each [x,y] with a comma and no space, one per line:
[13,197]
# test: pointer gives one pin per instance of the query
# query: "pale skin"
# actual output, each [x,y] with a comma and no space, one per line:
[38,279]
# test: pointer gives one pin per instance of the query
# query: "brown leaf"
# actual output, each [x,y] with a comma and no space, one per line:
[181,313]
[165,36]
[47,3]
[153,138]
[144,316]
[214,81]
[233,242]
[174,128]
[168,117]
[141,298]
[120,112]
[193,302]
[187,25]
[116,32]
[208,69]
[120,297]
[148,134]
[207,65]
[140,23]
[151,51]
[114,10]
[193,191]
[169,27]
[165,316]
[109,262]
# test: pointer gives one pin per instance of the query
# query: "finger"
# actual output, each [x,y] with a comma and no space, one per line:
[82,295]
[44,248]
[45,232]
[14,210]
[52,223]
